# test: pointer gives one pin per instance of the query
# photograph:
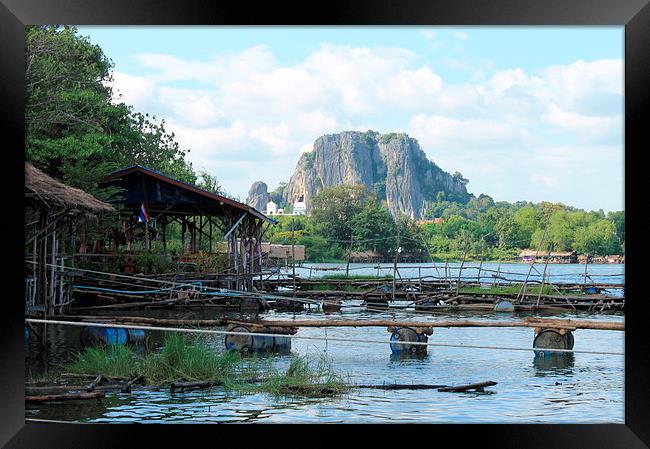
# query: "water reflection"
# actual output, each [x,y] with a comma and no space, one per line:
[553,364]
[401,357]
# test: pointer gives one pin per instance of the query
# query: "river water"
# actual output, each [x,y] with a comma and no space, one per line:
[584,388]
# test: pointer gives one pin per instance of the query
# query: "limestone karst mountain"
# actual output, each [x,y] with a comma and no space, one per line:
[258,196]
[391,165]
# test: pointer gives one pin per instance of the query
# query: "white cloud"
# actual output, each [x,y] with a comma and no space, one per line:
[277,138]
[461,35]
[135,90]
[246,107]
[438,131]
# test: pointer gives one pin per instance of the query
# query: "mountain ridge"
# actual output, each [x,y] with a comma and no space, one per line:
[393,166]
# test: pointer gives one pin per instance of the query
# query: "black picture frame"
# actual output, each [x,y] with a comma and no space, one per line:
[633,14]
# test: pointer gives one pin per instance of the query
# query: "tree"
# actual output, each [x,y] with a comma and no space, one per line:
[76,131]
[508,231]
[372,227]
[618,218]
[210,184]
[459,177]
[277,194]
[598,238]
[334,209]
[528,220]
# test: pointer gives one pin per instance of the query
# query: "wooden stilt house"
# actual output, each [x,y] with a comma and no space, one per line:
[52,210]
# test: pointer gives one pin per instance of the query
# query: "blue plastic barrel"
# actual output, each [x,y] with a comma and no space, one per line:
[255,343]
[504,306]
[282,344]
[105,336]
[402,336]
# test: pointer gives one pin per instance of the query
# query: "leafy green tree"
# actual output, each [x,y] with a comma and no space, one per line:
[508,231]
[334,208]
[210,183]
[371,227]
[598,238]
[618,218]
[277,194]
[76,131]
[527,220]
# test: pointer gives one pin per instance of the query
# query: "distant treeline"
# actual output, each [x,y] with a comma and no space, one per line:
[350,218]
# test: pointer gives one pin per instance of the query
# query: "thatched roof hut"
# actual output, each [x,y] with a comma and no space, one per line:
[41,188]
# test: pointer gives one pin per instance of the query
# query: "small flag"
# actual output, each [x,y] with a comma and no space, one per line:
[143,216]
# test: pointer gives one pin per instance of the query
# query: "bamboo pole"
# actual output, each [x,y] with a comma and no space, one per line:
[460,270]
[529,322]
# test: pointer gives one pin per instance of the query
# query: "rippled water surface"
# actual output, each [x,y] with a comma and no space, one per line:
[587,388]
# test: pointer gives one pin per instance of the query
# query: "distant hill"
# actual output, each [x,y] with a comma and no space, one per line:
[391,165]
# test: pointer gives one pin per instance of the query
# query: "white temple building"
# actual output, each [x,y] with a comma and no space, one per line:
[271,208]
[299,208]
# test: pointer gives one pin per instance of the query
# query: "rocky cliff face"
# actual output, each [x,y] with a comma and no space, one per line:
[258,196]
[391,165]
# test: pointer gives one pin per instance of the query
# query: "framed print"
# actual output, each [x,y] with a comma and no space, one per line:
[364,215]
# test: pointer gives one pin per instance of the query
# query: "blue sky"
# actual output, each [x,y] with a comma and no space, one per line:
[525,113]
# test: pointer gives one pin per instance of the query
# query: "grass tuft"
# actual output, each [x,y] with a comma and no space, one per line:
[185,359]
[111,361]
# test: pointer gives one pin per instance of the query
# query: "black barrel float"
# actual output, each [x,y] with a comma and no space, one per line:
[402,336]
[105,336]
[552,339]
[377,304]
[256,343]
[332,305]
[253,304]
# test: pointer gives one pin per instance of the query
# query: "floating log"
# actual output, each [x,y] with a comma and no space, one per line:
[65,397]
[129,384]
[193,385]
[94,383]
[146,320]
[460,388]
[401,387]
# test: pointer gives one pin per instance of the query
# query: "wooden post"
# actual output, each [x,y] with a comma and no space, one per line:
[460,270]
[210,236]
[200,232]
[183,226]
[193,235]
[347,267]
[585,275]
[293,258]
[541,288]
[147,243]
[52,281]
[447,275]
[478,276]
[394,272]
[164,232]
